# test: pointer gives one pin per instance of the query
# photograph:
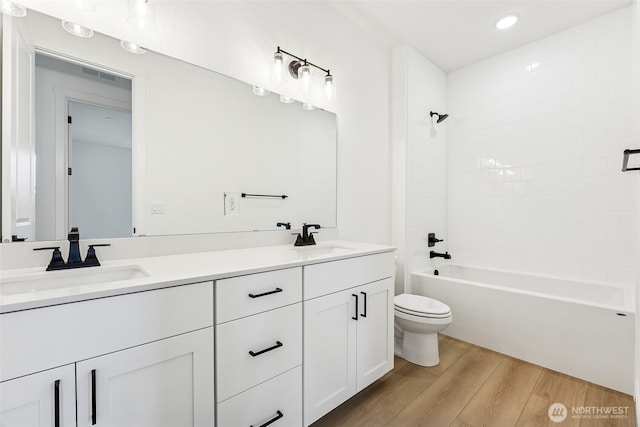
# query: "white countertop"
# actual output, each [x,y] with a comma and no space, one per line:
[173,270]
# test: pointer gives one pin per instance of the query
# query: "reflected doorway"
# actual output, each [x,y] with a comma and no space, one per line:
[100,178]
[83,128]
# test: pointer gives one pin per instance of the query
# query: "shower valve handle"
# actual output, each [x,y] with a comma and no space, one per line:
[432,240]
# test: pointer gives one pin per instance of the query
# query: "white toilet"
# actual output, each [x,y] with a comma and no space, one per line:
[418,320]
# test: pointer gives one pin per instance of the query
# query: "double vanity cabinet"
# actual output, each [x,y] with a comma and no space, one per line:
[276,343]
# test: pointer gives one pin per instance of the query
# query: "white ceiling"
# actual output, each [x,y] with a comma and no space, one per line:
[456,33]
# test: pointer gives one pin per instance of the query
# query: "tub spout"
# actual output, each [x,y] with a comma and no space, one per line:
[434,254]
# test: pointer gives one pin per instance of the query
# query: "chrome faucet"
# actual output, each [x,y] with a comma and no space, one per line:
[73,260]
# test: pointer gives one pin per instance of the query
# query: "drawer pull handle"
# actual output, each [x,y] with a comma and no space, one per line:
[94,414]
[364,314]
[265,293]
[272,420]
[56,403]
[356,316]
[258,353]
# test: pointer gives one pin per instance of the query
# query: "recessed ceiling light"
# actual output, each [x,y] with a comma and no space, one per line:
[507,21]
[13,9]
[286,99]
[132,47]
[260,91]
[77,29]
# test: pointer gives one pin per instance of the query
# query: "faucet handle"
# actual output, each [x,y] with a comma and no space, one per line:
[91,259]
[57,261]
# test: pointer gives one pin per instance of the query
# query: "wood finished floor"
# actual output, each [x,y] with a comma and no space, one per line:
[473,386]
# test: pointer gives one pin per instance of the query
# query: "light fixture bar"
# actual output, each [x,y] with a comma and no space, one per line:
[306,62]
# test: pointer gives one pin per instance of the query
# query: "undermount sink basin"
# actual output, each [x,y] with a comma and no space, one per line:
[52,280]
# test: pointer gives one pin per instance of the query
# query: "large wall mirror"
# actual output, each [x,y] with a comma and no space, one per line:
[122,144]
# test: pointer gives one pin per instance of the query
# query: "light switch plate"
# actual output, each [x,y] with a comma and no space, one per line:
[232,203]
[157,208]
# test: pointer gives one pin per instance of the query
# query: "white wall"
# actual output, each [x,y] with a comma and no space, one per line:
[238,39]
[536,141]
[420,147]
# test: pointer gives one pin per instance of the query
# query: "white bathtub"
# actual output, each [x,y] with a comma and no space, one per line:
[581,329]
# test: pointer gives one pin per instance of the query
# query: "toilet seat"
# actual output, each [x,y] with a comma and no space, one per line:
[421,306]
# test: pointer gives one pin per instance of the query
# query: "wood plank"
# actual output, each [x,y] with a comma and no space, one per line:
[601,403]
[440,403]
[459,423]
[500,401]
[379,403]
[553,387]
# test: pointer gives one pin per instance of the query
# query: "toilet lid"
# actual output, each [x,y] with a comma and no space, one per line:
[420,304]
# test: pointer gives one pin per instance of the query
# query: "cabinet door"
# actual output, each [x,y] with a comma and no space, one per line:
[164,383]
[329,353]
[45,399]
[375,331]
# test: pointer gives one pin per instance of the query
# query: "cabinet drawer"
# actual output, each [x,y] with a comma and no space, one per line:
[280,398]
[246,295]
[43,338]
[274,338]
[334,276]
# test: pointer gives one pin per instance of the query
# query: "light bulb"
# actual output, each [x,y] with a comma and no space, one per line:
[286,99]
[308,107]
[507,22]
[278,64]
[304,74]
[132,47]
[328,86]
[13,9]
[141,14]
[77,29]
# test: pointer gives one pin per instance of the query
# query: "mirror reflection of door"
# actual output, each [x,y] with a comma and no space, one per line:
[99,170]
[96,148]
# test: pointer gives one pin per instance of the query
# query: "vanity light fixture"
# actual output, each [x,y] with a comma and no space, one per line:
[141,15]
[132,47]
[260,91]
[13,9]
[507,21]
[300,68]
[77,29]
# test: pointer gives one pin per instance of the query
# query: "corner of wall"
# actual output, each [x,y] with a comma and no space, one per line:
[399,93]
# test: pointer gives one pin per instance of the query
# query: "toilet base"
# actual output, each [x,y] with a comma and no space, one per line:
[420,348]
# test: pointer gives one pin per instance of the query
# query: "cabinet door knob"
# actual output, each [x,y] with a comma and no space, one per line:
[258,353]
[279,415]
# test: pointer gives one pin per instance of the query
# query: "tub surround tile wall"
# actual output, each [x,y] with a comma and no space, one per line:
[535,149]
[420,161]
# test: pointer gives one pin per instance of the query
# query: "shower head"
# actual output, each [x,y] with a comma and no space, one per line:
[441,117]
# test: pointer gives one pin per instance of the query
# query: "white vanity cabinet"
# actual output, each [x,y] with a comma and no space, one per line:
[348,329]
[44,399]
[259,349]
[141,359]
